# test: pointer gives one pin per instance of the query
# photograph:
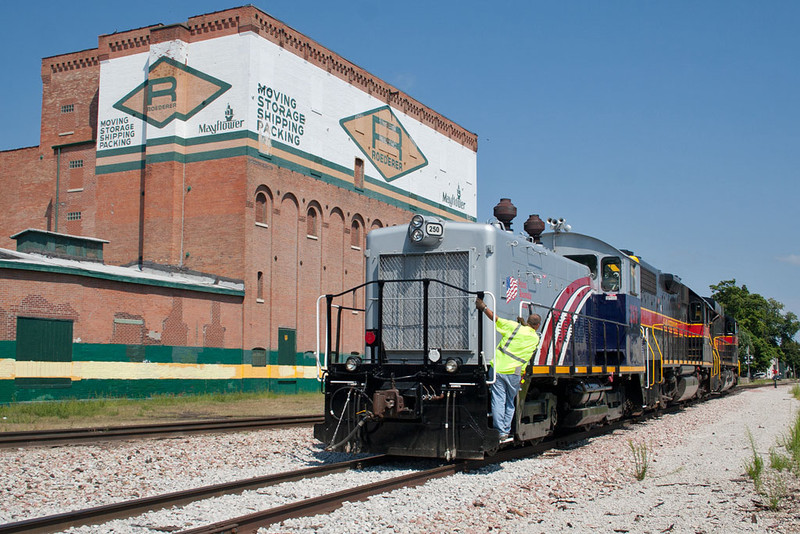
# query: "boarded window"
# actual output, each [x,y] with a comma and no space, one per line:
[358,174]
[311,223]
[355,234]
[261,208]
[259,357]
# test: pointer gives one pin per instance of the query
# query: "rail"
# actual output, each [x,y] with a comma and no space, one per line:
[32,438]
[121,510]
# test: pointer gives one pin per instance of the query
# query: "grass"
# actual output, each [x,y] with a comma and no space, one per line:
[754,467]
[778,461]
[774,490]
[115,412]
[772,484]
[641,462]
[796,391]
[791,441]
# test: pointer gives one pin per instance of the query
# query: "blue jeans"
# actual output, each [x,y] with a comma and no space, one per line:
[504,393]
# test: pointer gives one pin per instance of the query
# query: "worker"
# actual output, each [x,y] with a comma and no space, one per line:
[518,343]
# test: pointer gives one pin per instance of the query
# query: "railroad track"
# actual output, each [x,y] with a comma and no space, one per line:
[31,438]
[317,505]
[121,510]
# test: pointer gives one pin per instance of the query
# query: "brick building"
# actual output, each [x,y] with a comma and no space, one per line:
[231,168]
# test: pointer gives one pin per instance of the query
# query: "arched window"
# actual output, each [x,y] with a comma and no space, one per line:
[355,234]
[312,223]
[262,208]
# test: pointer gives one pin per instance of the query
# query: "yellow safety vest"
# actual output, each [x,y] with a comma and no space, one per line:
[515,348]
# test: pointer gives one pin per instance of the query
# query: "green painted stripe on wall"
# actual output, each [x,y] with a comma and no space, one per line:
[102,352]
[113,352]
[137,165]
[253,152]
[8,349]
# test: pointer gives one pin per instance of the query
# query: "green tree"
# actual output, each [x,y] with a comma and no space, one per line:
[763,325]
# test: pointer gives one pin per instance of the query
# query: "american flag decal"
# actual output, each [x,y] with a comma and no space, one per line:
[512,288]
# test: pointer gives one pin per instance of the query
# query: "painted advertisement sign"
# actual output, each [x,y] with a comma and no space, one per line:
[241,94]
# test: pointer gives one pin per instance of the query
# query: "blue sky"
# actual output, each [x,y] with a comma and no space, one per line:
[668,128]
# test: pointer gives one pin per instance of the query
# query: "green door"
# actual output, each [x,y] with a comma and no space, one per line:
[287,346]
[287,355]
[48,342]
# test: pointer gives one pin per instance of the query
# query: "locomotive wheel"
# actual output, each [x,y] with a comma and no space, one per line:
[553,418]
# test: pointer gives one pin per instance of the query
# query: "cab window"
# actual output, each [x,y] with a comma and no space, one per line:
[695,312]
[634,283]
[611,274]
[589,260]
[730,326]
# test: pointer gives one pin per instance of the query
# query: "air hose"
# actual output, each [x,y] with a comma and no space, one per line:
[350,435]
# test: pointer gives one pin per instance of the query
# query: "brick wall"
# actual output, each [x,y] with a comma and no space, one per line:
[106,311]
[198,215]
[27,181]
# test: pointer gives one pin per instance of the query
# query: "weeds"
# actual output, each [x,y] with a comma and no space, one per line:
[792,443]
[641,461]
[774,490]
[795,391]
[754,467]
[778,461]
[772,484]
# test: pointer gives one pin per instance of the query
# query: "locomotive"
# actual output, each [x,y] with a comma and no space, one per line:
[406,359]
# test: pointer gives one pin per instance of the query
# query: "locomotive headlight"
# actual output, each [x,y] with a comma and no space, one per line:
[434,355]
[451,365]
[352,363]
[425,230]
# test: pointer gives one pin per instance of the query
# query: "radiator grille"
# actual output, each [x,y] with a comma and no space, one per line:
[648,281]
[448,308]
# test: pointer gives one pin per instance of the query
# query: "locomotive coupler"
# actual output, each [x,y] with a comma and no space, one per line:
[387,403]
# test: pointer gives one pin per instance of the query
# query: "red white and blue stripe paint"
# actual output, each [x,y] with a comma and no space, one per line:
[559,322]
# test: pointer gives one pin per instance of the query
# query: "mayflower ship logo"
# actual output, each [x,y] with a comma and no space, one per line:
[454,201]
[221,126]
[171,91]
[385,142]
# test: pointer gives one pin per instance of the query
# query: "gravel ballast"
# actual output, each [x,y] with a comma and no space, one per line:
[695,482]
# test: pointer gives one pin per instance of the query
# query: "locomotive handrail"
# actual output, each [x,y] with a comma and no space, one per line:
[319,365]
[322,357]
[324,365]
[646,333]
[604,322]
[494,341]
